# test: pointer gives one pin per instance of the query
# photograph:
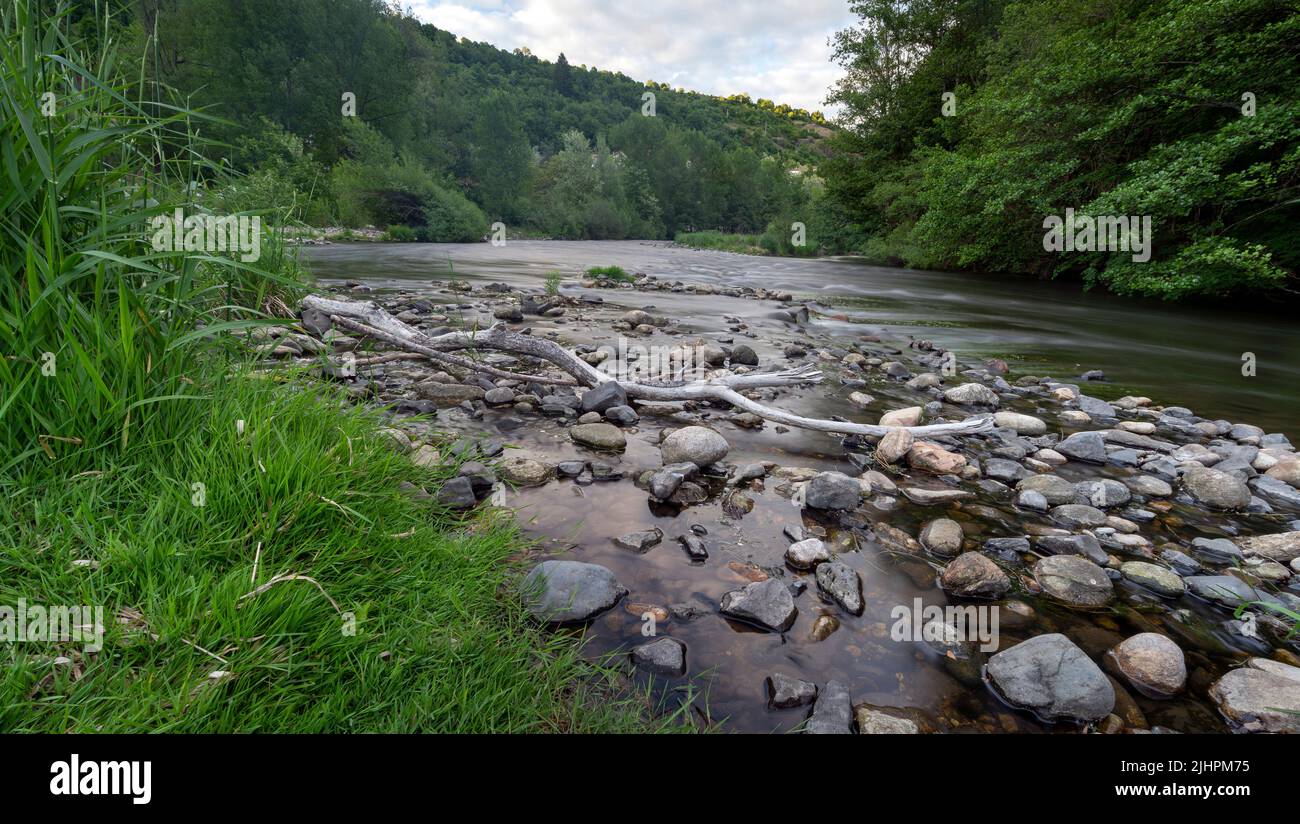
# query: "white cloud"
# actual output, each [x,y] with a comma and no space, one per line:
[776,49]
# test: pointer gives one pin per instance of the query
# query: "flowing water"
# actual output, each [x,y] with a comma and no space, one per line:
[1175,355]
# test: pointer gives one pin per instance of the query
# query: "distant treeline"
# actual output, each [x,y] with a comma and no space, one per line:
[353,113]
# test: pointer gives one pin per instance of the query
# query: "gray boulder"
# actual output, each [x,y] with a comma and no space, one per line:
[833,490]
[1051,677]
[666,656]
[1074,581]
[833,712]
[766,603]
[566,591]
[694,444]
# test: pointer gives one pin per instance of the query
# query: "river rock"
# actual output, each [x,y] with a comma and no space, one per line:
[1088,447]
[567,591]
[1053,678]
[1084,545]
[1216,489]
[1277,493]
[872,721]
[934,497]
[784,692]
[942,536]
[1007,471]
[833,490]
[1283,547]
[1152,663]
[971,394]
[1021,424]
[1227,590]
[930,457]
[743,355]
[640,541]
[522,471]
[1055,489]
[895,444]
[1149,486]
[599,436]
[1074,580]
[457,493]
[767,603]
[807,553]
[841,582]
[832,712]
[1155,578]
[602,397]
[1102,494]
[447,394]
[972,575]
[694,444]
[911,416]
[1077,516]
[666,656]
[1258,700]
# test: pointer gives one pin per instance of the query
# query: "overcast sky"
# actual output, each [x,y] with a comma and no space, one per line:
[768,48]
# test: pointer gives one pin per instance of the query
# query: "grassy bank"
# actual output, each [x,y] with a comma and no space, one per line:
[404,621]
[770,242]
[263,576]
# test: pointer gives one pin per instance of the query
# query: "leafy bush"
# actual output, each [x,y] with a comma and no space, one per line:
[610,273]
[399,233]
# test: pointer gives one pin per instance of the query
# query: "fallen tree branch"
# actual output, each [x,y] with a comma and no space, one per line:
[370,318]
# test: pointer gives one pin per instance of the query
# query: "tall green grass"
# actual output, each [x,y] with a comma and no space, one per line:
[274,579]
[99,331]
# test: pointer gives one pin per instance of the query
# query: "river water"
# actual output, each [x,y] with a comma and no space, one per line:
[1175,355]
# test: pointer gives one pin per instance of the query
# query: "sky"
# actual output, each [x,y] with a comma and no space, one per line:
[777,49]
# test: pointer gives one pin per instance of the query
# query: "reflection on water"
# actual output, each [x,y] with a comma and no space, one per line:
[1173,355]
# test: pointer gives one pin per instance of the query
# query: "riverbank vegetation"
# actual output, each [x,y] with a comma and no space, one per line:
[970,121]
[256,561]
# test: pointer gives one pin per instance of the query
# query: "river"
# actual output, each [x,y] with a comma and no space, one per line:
[1173,354]
[1189,356]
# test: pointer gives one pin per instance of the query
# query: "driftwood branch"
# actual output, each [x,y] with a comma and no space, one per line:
[369,318]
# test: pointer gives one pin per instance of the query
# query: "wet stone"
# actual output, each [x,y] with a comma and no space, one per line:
[567,591]
[1053,678]
[765,603]
[1076,516]
[833,490]
[1155,578]
[832,712]
[784,692]
[666,656]
[971,575]
[640,541]
[842,584]
[1074,581]
[807,554]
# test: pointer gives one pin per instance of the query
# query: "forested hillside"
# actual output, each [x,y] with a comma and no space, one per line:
[359,114]
[1184,111]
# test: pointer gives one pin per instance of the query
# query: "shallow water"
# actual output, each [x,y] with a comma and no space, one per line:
[1174,354]
[1041,328]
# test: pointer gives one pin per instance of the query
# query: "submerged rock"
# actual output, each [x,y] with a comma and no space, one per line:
[1073,580]
[972,575]
[841,582]
[1156,578]
[784,692]
[1283,547]
[1260,700]
[1152,663]
[1053,678]
[942,536]
[807,554]
[666,656]
[767,604]
[833,711]
[567,591]
[694,444]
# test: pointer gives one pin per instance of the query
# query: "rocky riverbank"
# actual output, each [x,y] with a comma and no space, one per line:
[1117,539]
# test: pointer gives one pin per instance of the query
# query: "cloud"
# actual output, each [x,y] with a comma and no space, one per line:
[776,49]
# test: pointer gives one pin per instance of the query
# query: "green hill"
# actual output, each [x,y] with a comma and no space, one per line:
[357,114]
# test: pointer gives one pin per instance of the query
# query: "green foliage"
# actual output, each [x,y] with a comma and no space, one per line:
[100,328]
[399,233]
[1109,108]
[610,273]
[437,114]
[553,280]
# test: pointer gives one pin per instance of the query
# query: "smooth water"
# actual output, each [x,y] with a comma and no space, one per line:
[1174,354]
